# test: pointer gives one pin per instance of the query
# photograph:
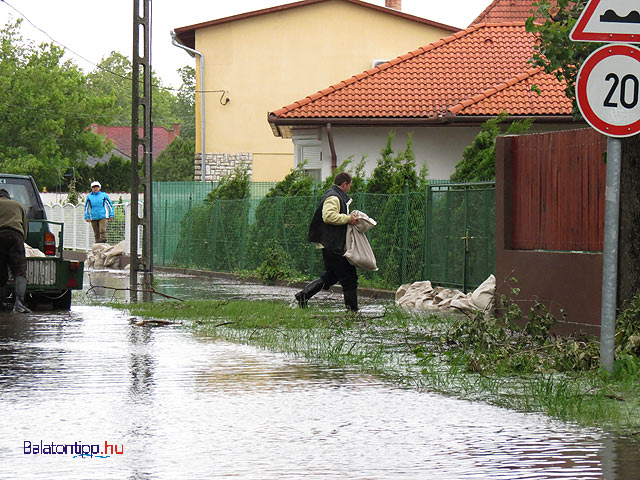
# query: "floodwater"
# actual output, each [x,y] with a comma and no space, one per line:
[172,405]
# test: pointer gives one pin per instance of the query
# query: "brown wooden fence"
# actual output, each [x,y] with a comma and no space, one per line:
[558,191]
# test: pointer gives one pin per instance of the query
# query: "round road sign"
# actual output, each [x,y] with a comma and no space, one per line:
[608,90]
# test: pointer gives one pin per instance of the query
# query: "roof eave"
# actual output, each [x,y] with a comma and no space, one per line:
[279,125]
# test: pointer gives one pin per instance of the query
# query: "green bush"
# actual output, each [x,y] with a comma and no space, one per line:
[479,159]
[278,264]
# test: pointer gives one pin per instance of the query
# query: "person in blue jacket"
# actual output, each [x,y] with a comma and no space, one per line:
[98,210]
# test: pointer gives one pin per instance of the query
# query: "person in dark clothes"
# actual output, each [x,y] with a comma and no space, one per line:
[14,227]
[328,229]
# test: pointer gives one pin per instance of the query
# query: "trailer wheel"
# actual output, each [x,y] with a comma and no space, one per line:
[63,302]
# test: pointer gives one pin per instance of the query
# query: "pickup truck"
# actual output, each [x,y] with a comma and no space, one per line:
[50,279]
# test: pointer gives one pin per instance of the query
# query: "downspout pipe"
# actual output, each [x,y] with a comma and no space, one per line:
[193,53]
[334,156]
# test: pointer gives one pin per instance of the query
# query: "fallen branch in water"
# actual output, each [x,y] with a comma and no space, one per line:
[223,324]
[119,289]
[164,323]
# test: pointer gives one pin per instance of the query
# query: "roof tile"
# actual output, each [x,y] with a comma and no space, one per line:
[501,11]
[482,71]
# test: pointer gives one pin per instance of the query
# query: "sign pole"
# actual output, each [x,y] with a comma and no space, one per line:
[608,95]
[610,254]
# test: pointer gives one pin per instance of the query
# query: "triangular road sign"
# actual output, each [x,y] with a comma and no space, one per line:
[610,21]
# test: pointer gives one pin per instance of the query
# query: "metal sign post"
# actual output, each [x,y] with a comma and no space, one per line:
[610,254]
[608,95]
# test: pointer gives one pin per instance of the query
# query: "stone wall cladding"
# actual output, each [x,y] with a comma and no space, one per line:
[220,165]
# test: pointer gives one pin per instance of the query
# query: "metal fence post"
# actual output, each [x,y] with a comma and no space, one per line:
[426,240]
[243,232]
[164,234]
[189,230]
[312,253]
[465,262]
[405,234]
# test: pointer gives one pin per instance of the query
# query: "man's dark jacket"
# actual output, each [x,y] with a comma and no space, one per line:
[331,237]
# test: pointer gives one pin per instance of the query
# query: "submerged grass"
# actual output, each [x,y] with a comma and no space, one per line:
[519,370]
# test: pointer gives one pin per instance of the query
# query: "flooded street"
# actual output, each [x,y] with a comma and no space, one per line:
[170,404]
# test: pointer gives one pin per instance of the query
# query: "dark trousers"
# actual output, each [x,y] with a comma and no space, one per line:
[337,269]
[100,230]
[12,256]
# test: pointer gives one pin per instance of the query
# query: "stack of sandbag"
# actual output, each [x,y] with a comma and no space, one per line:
[103,255]
[423,296]
[32,252]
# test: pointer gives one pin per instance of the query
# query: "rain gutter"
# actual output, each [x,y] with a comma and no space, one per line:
[450,120]
[193,53]
[334,157]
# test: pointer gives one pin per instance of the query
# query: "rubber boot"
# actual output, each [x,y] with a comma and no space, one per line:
[309,291]
[3,297]
[351,300]
[20,285]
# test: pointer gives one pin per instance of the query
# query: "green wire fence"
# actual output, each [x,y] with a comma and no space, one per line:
[445,233]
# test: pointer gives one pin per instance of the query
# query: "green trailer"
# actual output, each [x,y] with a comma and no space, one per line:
[50,278]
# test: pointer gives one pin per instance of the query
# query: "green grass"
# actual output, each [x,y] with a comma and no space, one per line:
[462,357]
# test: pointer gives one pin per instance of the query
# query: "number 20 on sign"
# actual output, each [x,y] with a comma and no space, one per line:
[608,90]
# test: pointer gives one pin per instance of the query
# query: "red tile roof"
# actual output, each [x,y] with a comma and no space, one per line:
[186,35]
[121,137]
[506,11]
[481,71]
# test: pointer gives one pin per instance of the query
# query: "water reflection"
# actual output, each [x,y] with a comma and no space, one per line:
[110,285]
[183,406]
[142,361]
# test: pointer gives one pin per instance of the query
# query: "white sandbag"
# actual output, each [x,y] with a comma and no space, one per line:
[98,262]
[416,292]
[422,296]
[31,252]
[111,257]
[402,290]
[482,297]
[359,252]
[112,262]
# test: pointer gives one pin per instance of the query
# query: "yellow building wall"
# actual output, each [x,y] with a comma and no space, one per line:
[269,61]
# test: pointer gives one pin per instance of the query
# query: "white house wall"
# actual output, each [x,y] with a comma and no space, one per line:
[439,147]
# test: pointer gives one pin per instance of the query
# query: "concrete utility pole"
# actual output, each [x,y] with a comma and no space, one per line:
[141,109]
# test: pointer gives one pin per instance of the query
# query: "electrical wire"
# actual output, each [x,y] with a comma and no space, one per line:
[128,78]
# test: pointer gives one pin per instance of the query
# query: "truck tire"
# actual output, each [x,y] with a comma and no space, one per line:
[63,302]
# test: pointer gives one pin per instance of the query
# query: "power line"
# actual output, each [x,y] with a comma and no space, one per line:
[76,53]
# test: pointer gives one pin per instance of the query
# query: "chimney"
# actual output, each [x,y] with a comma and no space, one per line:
[395,4]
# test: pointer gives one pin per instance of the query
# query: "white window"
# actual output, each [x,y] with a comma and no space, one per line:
[308,149]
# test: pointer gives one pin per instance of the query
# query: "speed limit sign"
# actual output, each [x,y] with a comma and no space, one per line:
[608,90]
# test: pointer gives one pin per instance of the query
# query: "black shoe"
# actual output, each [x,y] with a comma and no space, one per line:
[351,300]
[309,291]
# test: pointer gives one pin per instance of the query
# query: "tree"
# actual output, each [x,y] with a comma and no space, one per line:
[479,159]
[112,79]
[394,173]
[185,108]
[45,109]
[552,23]
[235,186]
[175,163]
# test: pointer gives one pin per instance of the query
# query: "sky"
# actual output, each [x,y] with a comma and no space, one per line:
[89,30]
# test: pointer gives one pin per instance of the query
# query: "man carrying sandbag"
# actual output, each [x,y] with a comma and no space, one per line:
[328,229]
